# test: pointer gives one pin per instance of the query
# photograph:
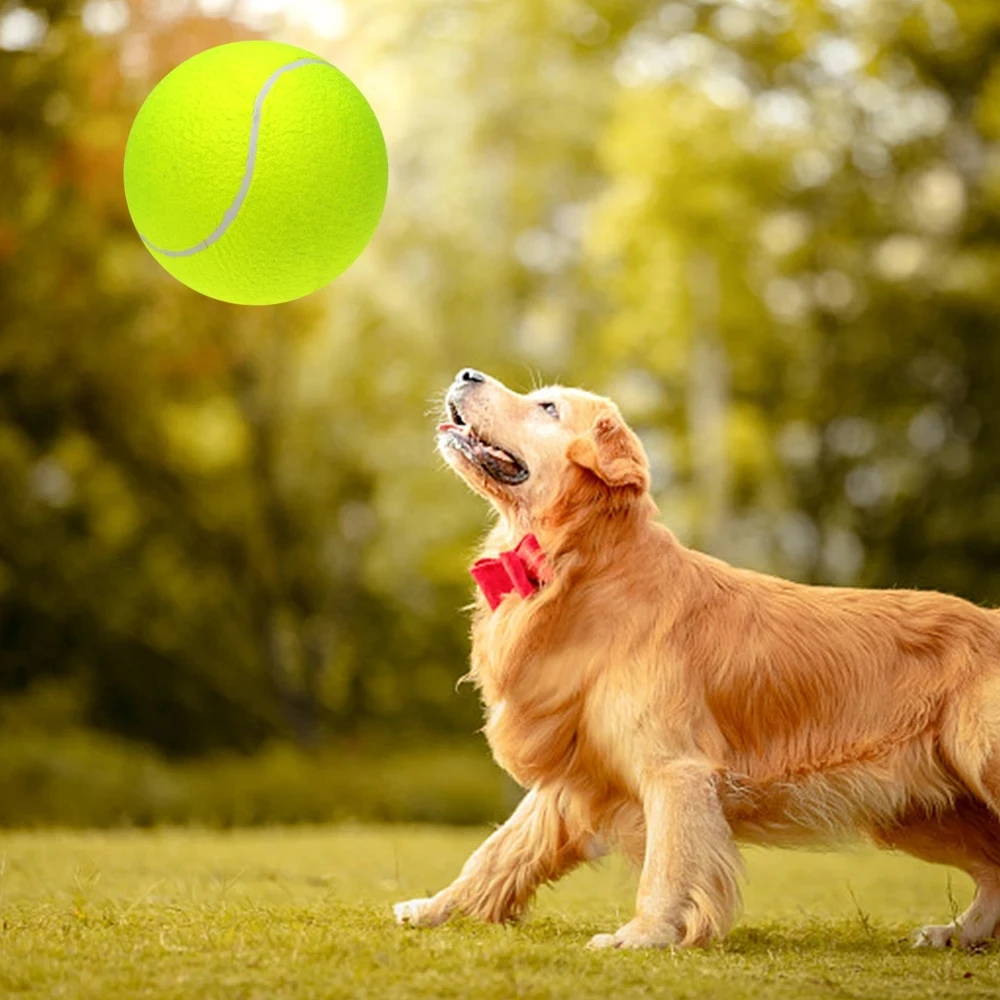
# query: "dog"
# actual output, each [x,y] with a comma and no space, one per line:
[659,701]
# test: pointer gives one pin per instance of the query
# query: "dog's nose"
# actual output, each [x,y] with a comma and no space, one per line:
[470,375]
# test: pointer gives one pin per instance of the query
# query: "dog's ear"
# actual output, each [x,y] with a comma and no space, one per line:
[612,452]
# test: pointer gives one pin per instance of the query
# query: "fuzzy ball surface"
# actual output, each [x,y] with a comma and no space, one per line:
[255,172]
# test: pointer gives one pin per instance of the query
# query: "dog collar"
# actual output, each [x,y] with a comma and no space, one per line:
[523,569]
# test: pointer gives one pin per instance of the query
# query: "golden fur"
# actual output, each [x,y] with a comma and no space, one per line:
[658,700]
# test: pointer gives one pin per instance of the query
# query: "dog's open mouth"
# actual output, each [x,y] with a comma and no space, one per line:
[496,462]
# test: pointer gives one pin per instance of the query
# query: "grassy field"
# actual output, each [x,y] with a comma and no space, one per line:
[304,912]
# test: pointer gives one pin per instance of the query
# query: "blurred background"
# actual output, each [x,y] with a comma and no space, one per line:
[231,565]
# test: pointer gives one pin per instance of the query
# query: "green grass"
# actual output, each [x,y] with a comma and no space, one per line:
[268,914]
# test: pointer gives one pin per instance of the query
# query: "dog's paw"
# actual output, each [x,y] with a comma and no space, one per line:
[599,941]
[419,913]
[635,935]
[973,935]
[409,914]
[935,936]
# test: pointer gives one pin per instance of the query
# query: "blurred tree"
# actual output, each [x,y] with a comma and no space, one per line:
[100,537]
[834,168]
[767,228]
[165,518]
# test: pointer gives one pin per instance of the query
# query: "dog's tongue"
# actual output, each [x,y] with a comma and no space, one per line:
[500,461]
[494,452]
[447,427]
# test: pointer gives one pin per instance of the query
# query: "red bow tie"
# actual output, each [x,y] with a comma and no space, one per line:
[523,569]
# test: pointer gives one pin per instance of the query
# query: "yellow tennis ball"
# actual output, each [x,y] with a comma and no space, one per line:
[255,172]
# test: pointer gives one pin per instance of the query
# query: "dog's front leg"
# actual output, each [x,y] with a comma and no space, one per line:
[688,891]
[536,845]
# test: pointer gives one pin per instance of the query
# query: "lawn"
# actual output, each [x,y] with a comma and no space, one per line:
[304,912]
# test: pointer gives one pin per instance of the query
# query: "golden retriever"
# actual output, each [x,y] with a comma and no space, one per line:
[660,701]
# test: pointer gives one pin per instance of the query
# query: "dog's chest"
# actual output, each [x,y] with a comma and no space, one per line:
[614,728]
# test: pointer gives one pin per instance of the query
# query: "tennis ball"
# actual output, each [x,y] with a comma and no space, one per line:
[255,172]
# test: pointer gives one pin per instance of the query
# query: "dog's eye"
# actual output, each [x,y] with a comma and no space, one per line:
[551,409]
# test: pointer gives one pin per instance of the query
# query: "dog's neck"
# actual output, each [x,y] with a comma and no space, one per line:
[533,693]
[504,638]
[560,529]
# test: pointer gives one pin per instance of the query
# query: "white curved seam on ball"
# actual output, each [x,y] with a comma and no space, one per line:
[234,208]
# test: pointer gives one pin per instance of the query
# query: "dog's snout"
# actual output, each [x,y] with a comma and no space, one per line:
[465,381]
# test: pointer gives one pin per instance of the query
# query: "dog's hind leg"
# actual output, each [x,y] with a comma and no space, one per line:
[966,837]
[970,739]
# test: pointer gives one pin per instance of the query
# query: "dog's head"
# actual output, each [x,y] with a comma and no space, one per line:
[530,454]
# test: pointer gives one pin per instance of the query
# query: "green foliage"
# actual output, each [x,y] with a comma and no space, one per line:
[800,246]
[770,230]
[55,772]
[83,779]
[184,519]
[306,913]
